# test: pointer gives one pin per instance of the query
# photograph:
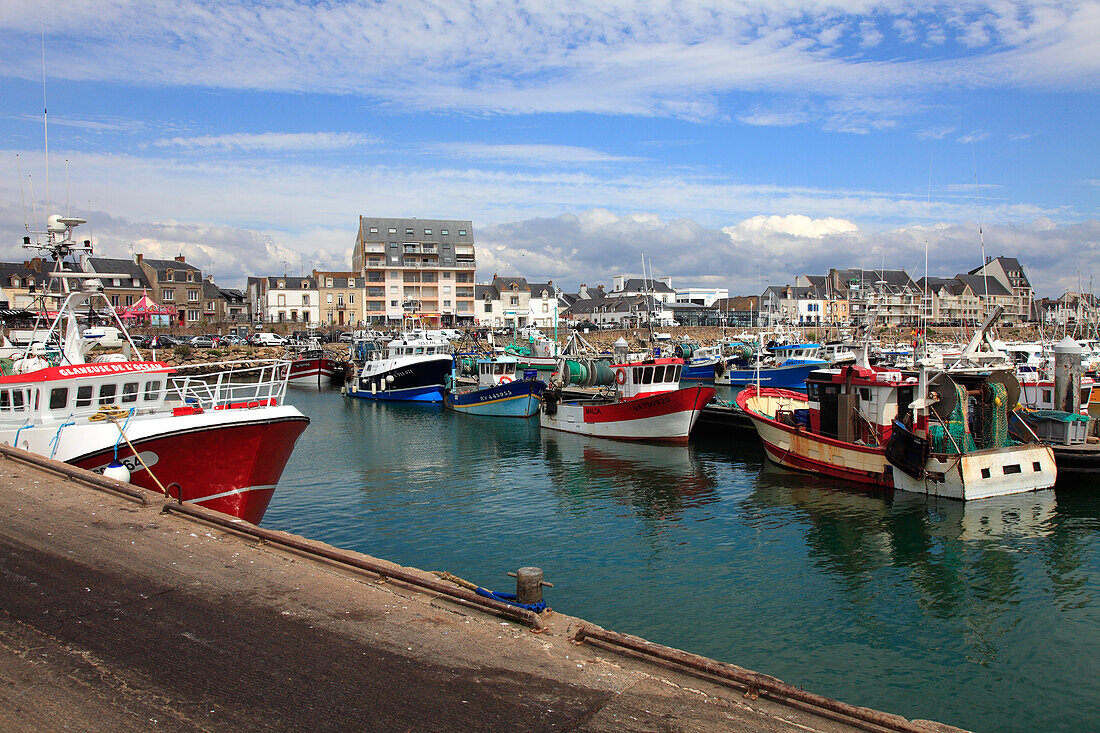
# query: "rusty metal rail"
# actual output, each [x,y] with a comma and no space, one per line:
[75,473]
[755,682]
[530,618]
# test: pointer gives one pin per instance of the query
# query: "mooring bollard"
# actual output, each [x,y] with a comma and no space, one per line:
[529,585]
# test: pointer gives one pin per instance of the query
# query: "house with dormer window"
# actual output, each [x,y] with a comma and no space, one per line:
[285,299]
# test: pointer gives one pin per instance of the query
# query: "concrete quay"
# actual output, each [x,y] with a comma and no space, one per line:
[115,616]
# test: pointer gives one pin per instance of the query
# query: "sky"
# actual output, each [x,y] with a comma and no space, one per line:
[727,144]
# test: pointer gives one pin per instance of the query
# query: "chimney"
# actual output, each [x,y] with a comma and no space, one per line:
[179,258]
[138,257]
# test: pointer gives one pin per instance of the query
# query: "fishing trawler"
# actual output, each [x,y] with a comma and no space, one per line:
[411,368]
[312,366]
[220,439]
[645,401]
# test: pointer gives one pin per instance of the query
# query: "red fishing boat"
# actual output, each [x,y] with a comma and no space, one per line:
[645,401]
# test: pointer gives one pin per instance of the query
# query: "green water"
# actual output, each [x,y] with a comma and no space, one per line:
[982,615]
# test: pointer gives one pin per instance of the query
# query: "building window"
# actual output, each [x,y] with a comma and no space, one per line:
[129,300]
[514,300]
[408,232]
[488,307]
[114,301]
[446,276]
[192,315]
[393,231]
[169,275]
[190,276]
[446,289]
[427,232]
[328,298]
[305,301]
[444,232]
[192,295]
[282,284]
[393,303]
[281,300]
[462,232]
[374,230]
[168,295]
[328,282]
[351,298]
[340,299]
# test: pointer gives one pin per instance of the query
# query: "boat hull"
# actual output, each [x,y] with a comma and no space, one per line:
[316,372]
[792,376]
[664,417]
[703,372]
[418,380]
[228,465]
[514,399]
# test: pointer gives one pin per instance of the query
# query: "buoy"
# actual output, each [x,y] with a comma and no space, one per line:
[117,471]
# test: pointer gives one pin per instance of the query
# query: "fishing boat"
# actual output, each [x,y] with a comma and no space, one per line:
[699,361]
[644,401]
[220,438]
[411,368]
[501,390]
[312,366]
[785,367]
[878,427]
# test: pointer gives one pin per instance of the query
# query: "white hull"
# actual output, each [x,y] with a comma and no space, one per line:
[674,426]
[985,473]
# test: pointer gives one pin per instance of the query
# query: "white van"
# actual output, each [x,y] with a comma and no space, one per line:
[108,337]
[266,338]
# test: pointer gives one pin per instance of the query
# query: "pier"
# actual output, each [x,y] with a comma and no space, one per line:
[118,615]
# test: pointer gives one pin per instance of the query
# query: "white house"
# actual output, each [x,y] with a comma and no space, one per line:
[286,299]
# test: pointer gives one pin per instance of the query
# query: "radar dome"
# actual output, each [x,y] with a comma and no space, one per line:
[54,224]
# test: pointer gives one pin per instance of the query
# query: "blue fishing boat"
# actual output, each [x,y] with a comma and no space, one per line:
[501,391]
[784,367]
[699,361]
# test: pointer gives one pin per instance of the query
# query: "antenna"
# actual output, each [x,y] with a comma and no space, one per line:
[981,235]
[19,172]
[34,208]
[67,209]
[45,126]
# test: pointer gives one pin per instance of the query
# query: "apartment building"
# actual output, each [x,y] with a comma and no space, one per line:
[422,265]
[343,297]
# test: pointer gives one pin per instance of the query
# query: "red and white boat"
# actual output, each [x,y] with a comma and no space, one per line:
[220,438]
[315,367]
[647,402]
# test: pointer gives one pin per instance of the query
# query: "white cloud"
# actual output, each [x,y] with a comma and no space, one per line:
[795,225]
[269,141]
[531,153]
[938,132]
[973,137]
[616,57]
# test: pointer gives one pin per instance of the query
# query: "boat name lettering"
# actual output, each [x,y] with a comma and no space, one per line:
[86,369]
[653,402]
[402,372]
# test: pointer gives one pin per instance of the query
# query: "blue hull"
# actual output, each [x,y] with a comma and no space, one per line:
[698,372]
[515,399]
[784,377]
[412,394]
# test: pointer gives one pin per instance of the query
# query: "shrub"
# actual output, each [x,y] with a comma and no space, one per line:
[182,351]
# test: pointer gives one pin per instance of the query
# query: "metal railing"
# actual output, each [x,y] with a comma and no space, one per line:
[242,382]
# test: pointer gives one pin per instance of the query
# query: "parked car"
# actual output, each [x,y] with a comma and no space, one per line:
[266,338]
[202,342]
[164,341]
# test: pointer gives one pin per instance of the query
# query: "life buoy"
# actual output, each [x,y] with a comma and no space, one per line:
[620,376]
[505,380]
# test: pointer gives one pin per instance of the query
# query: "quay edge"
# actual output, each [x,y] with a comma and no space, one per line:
[117,616]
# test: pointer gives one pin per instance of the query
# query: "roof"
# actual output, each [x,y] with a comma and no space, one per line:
[644,285]
[293,282]
[507,283]
[179,269]
[538,288]
[952,285]
[737,303]
[120,266]
[981,285]
[1008,264]
[481,292]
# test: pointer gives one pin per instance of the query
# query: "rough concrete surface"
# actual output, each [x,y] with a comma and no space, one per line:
[115,617]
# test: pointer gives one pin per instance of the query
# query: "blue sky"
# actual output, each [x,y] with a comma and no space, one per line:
[732,143]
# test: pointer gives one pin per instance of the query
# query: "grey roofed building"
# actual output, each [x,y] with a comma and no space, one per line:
[642,285]
[121,266]
[980,285]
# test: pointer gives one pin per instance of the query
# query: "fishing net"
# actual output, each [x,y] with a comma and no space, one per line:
[994,416]
[952,436]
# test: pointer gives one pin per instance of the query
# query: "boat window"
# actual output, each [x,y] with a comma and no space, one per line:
[865,394]
[677,373]
[419,349]
[152,390]
[106,394]
[130,392]
[59,397]
[84,395]
[659,374]
[498,369]
[1048,396]
[5,399]
[17,400]
[637,375]
[431,350]
[647,375]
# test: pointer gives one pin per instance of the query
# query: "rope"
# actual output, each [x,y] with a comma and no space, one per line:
[108,413]
[510,599]
[55,441]
[122,434]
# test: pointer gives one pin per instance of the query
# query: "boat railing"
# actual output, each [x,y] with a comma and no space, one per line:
[233,384]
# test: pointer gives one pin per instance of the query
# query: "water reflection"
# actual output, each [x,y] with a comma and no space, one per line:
[658,483]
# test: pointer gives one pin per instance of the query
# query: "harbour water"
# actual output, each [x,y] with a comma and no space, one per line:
[983,615]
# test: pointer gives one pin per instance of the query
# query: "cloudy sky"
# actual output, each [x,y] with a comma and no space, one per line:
[731,143]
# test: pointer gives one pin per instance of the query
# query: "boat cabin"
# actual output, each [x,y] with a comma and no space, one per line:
[496,371]
[643,378]
[857,404]
[400,347]
[788,354]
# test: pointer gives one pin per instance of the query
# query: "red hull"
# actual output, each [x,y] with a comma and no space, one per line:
[232,469]
[312,371]
[664,403]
